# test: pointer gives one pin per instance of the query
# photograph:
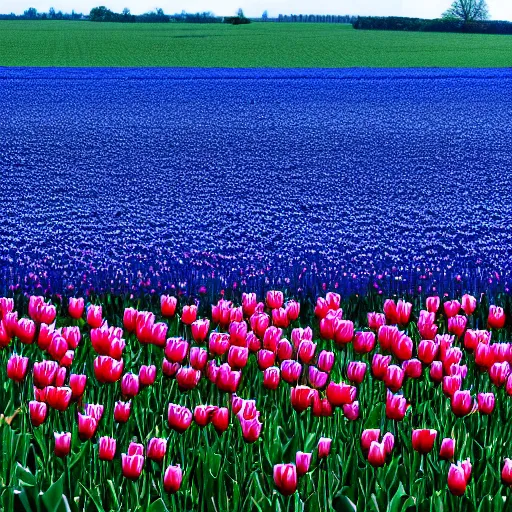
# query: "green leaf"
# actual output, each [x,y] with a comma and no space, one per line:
[94,497]
[26,478]
[113,492]
[342,503]
[157,506]
[53,496]
[395,503]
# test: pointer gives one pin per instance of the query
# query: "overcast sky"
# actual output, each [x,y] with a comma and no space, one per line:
[499,9]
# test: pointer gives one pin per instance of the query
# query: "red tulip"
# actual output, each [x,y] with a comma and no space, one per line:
[280,318]
[200,330]
[403,311]
[285,478]
[94,410]
[156,449]
[144,323]
[451,384]
[130,385]
[44,373]
[452,356]
[58,347]
[179,418]
[364,342]
[135,449]
[356,371]
[376,320]
[457,480]
[70,334]
[485,402]
[219,343]
[436,371]
[291,371]
[306,351]
[76,307]
[94,316]
[322,407]
[176,350]
[271,338]
[220,419]
[198,358]
[457,325]
[77,384]
[253,342]
[301,397]
[324,447]
[351,411]
[238,333]
[402,347]
[325,361]
[423,440]
[368,436]
[203,414]
[5,337]
[271,377]
[506,472]
[130,319]
[433,304]
[147,375]
[159,334]
[499,373]
[168,305]
[284,349]
[496,318]
[501,352]
[17,368]
[389,442]
[6,306]
[447,450]
[67,358]
[106,448]
[187,378]
[468,304]
[107,369]
[426,325]
[132,465]
[317,378]
[41,312]
[122,411]
[62,444]
[249,302]
[259,323]
[413,368]
[25,330]
[251,429]
[172,479]
[58,397]
[461,403]
[87,426]
[292,310]
[390,311]
[451,308]
[38,411]
[275,299]
[228,379]
[394,377]
[388,336]
[238,357]
[483,356]
[340,394]
[299,334]
[427,351]
[377,454]
[321,308]
[396,406]
[189,314]
[302,462]
[343,332]
[380,366]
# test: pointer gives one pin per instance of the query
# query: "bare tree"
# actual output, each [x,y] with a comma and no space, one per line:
[468,10]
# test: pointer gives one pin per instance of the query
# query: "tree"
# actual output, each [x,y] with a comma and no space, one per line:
[30,13]
[467,10]
[264,16]
[51,13]
[240,13]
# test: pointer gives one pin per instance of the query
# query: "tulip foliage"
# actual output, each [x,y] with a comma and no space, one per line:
[255,403]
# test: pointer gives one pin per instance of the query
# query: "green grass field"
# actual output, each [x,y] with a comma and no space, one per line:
[63,43]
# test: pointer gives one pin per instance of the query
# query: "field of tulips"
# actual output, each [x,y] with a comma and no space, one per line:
[259,403]
[128,180]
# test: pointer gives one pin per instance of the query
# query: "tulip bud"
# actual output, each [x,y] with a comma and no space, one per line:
[17,368]
[38,411]
[189,314]
[285,478]
[172,479]
[179,418]
[220,419]
[423,440]
[122,411]
[447,450]
[132,465]
[302,461]
[168,305]
[106,448]
[324,447]
[76,307]
[271,377]
[156,449]
[506,472]
[62,444]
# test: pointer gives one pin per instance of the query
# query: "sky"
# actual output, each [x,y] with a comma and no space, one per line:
[499,9]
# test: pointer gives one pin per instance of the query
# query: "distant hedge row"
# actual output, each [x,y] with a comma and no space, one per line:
[438,25]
